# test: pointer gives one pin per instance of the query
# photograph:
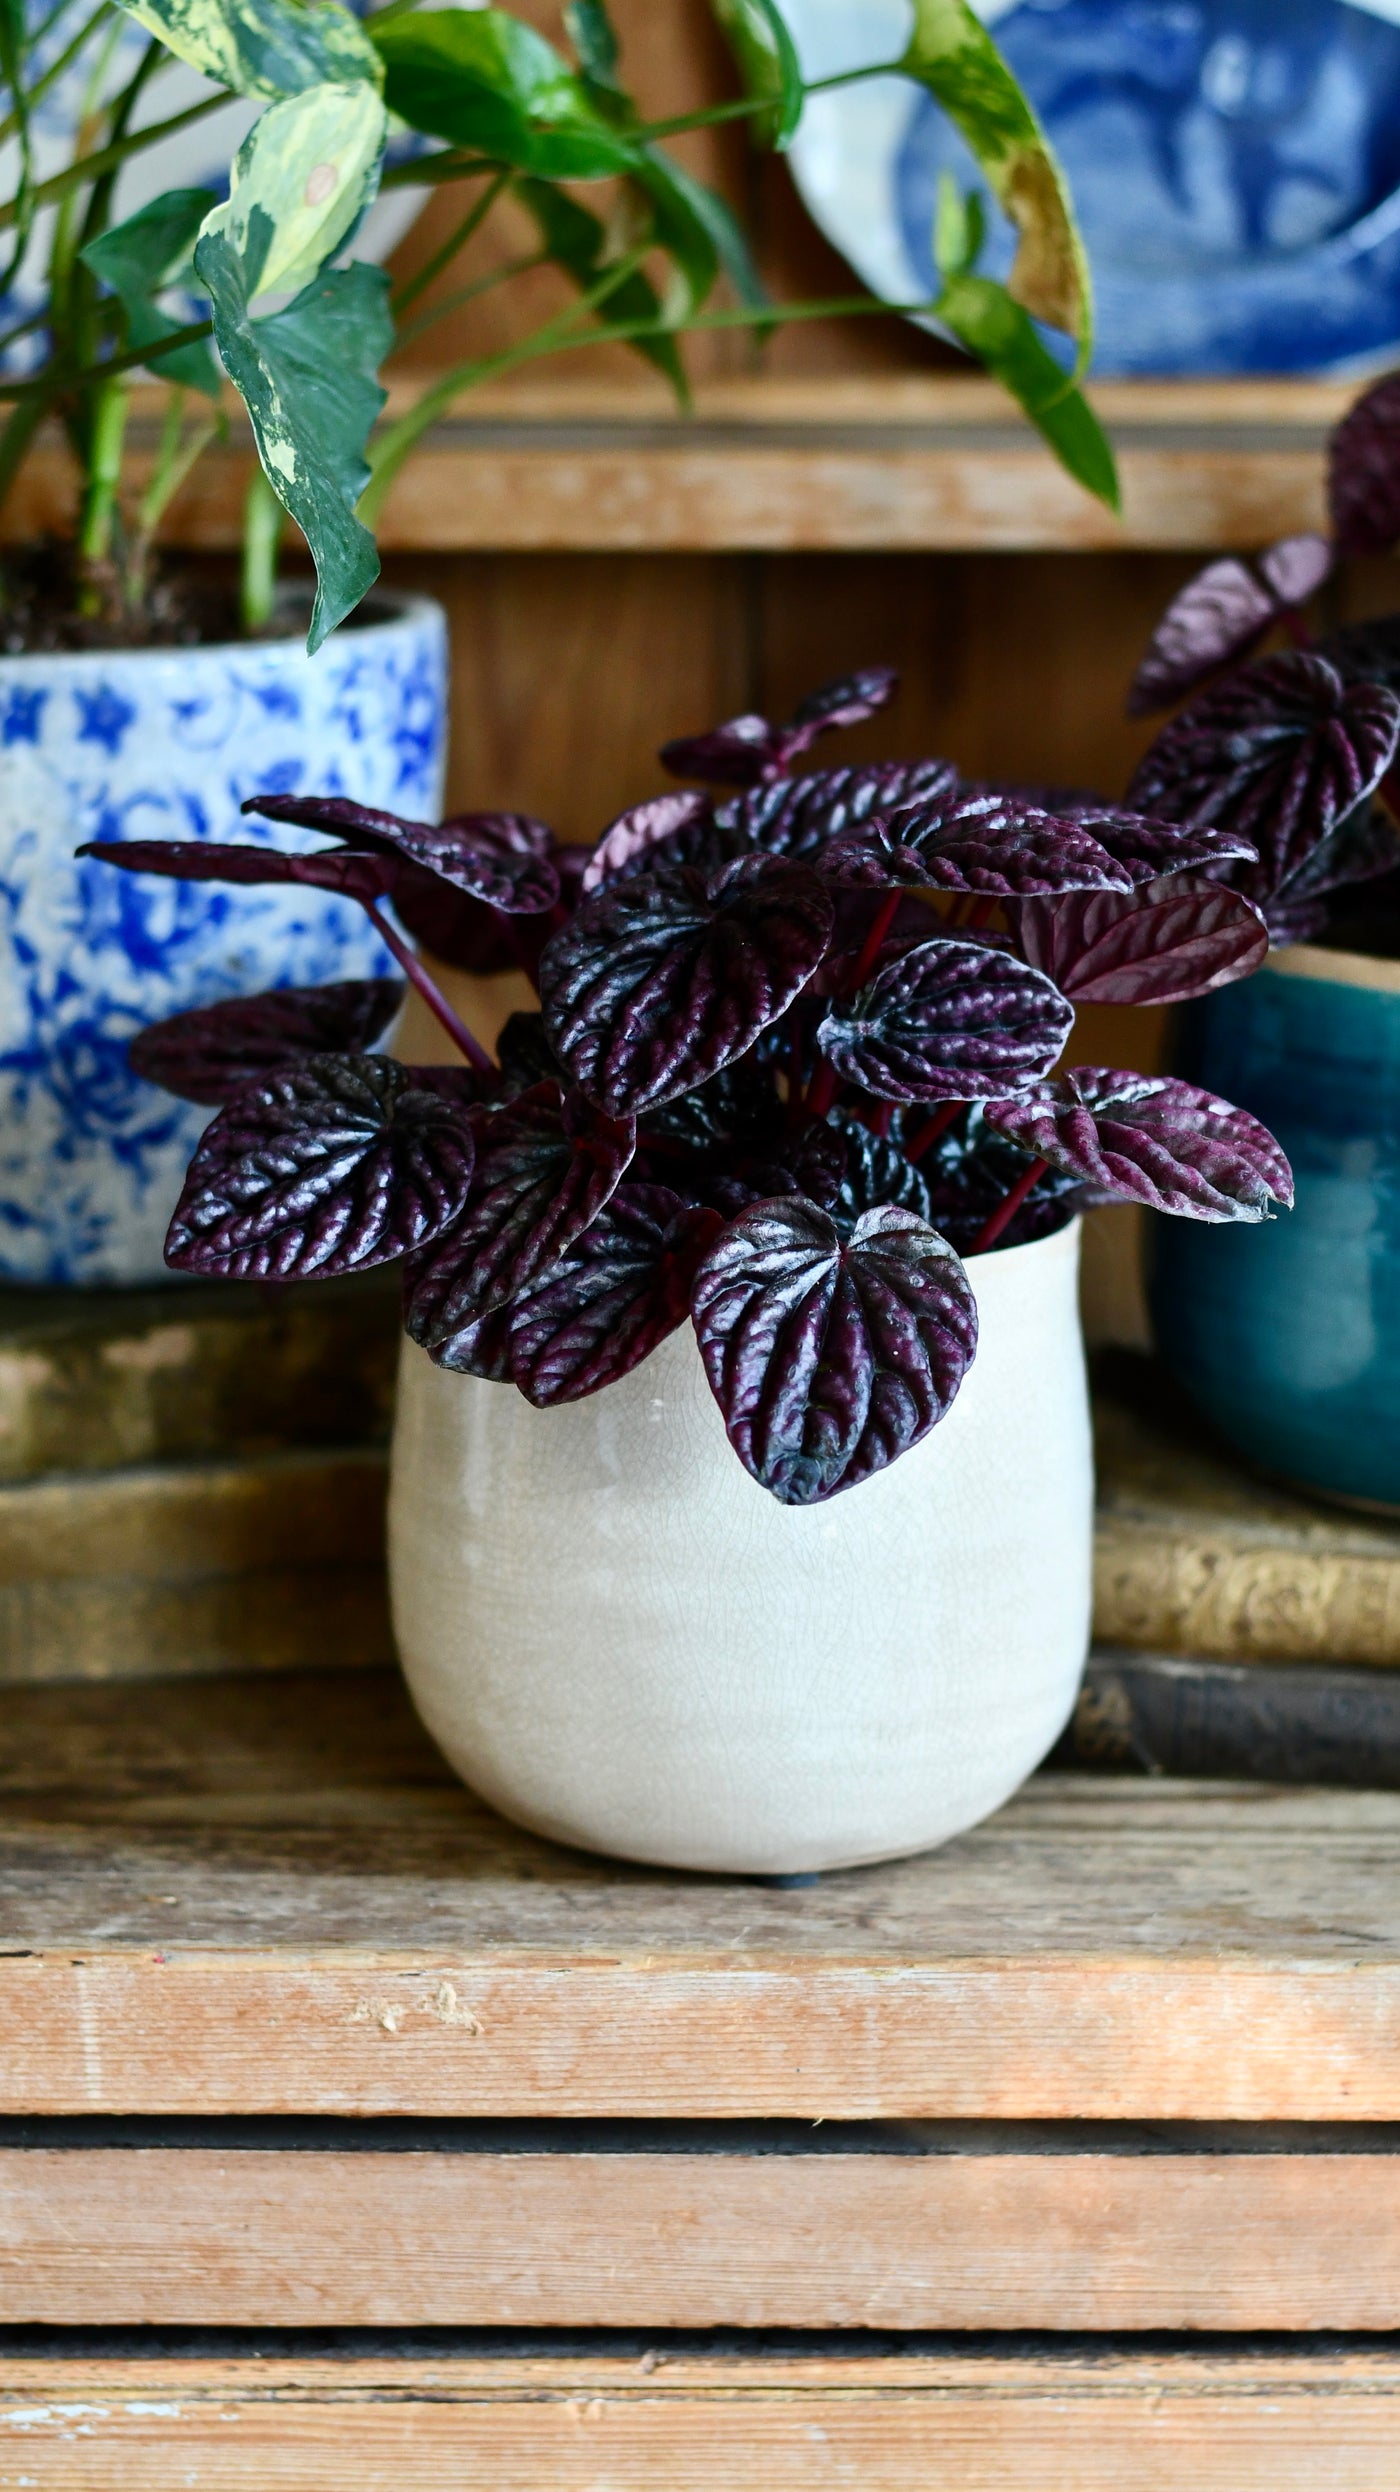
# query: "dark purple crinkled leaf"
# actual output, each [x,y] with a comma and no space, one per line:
[1364,844]
[749,750]
[1295,919]
[627,843]
[338,1165]
[948,1020]
[1156,945]
[830,1355]
[871,1171]
[222,861]
[545,1165]
[208,1054]
[451,925]
[1295,568]
[1278,754]
[621,1289]
[1145,1138]
[1221,614]
[660,981]
[969,1178]
[501,858]
[524,1054]
[799,818]
[993,845]
[1363,472]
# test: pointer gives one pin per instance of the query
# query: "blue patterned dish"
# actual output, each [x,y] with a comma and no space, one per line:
[165,744]
[1235,165]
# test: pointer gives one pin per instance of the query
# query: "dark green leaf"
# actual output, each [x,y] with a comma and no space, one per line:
[952,54]
[479,78]
[768,64]
[594,39]
[982,316]
[307,376]
[138,260]
[698,230]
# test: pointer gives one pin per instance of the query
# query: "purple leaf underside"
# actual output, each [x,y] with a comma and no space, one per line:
[1146,1138]
[662,980]
[1156,945]
[749,750]
[1280,754]
[338,1165]
[948,1020]
[545,1166]
[209,1053]
[830,1356]
[363,878]
[503,859]
[1222,615]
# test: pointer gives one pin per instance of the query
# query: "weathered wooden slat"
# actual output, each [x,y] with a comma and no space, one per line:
[195,1568]
[981,2235]
[880,462]
[270,1895]
[1071,2421]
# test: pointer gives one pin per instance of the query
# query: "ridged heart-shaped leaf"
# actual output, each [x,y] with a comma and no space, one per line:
[1145,1138]
[1279,753]
[662,980]
[830,1355]
[800,818]
[991,844]
[601,1309]
[208,1054]
[545,1165]
[1155,945]
[948,1020]
[748,751]
[1363,472]
[628,843]
[1223,614]
[338,1165]
[362,878]
[501,858]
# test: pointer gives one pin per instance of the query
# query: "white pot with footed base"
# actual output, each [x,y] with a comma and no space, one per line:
[623,1642]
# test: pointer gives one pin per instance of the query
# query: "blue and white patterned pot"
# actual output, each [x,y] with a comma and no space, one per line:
[166,744]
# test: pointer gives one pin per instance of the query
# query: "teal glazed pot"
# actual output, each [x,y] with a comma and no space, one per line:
[1288,1334]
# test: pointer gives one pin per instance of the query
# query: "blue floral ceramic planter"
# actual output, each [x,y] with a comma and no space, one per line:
[1288,1335]
[166,744]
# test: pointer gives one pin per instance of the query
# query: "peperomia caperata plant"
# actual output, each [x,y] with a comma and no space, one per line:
[794,1061]
[255,287]
[1295,749]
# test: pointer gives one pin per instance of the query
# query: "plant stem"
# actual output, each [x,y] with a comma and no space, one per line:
[86,169]
[456,241]
[1008,1207]
[431,993]
[468,294]
[262,530]
[104,473]
[747,106]
[451,164]
[937,1124]
[979,915]
[56,68]
[874,942]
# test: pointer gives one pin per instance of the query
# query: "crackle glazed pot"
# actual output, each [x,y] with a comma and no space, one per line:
[1288,1335]
[165,744]
[621,1641]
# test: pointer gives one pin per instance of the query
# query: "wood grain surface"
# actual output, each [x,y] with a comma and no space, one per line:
[943,2230]
[270,1895]
[1074,2420]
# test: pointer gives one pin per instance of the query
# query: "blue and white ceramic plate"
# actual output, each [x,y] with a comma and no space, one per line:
[1235,165]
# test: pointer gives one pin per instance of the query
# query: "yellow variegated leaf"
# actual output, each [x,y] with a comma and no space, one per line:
[264,47]
[300,180]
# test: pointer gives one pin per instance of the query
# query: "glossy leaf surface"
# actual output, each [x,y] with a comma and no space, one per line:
[984,318]
[1279,753]
[1158,944]
[262,47]
[629,842]
[483,79]
[802,817]
[546,1164]
[208,1054]
[1145,1138]
[363,878]
[604,1307]
[948,1020]
[662,980]
[748,751]
[337,1165]
[502,858]
[767,62]
[1223,614]
[830,1355]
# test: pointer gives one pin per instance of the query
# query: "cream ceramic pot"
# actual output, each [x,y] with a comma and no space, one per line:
[620,1640]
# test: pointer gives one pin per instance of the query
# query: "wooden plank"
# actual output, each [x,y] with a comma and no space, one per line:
[1195,1555]
[90,1379]
[904,462]
[268,1895]
[1077,2420]
[1019,2232]
[195,1567]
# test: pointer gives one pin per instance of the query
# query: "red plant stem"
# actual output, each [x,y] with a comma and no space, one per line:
[870,950]
[979,915]
[1007,1208]
[937,1124]
[882,1119]
[432,995]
